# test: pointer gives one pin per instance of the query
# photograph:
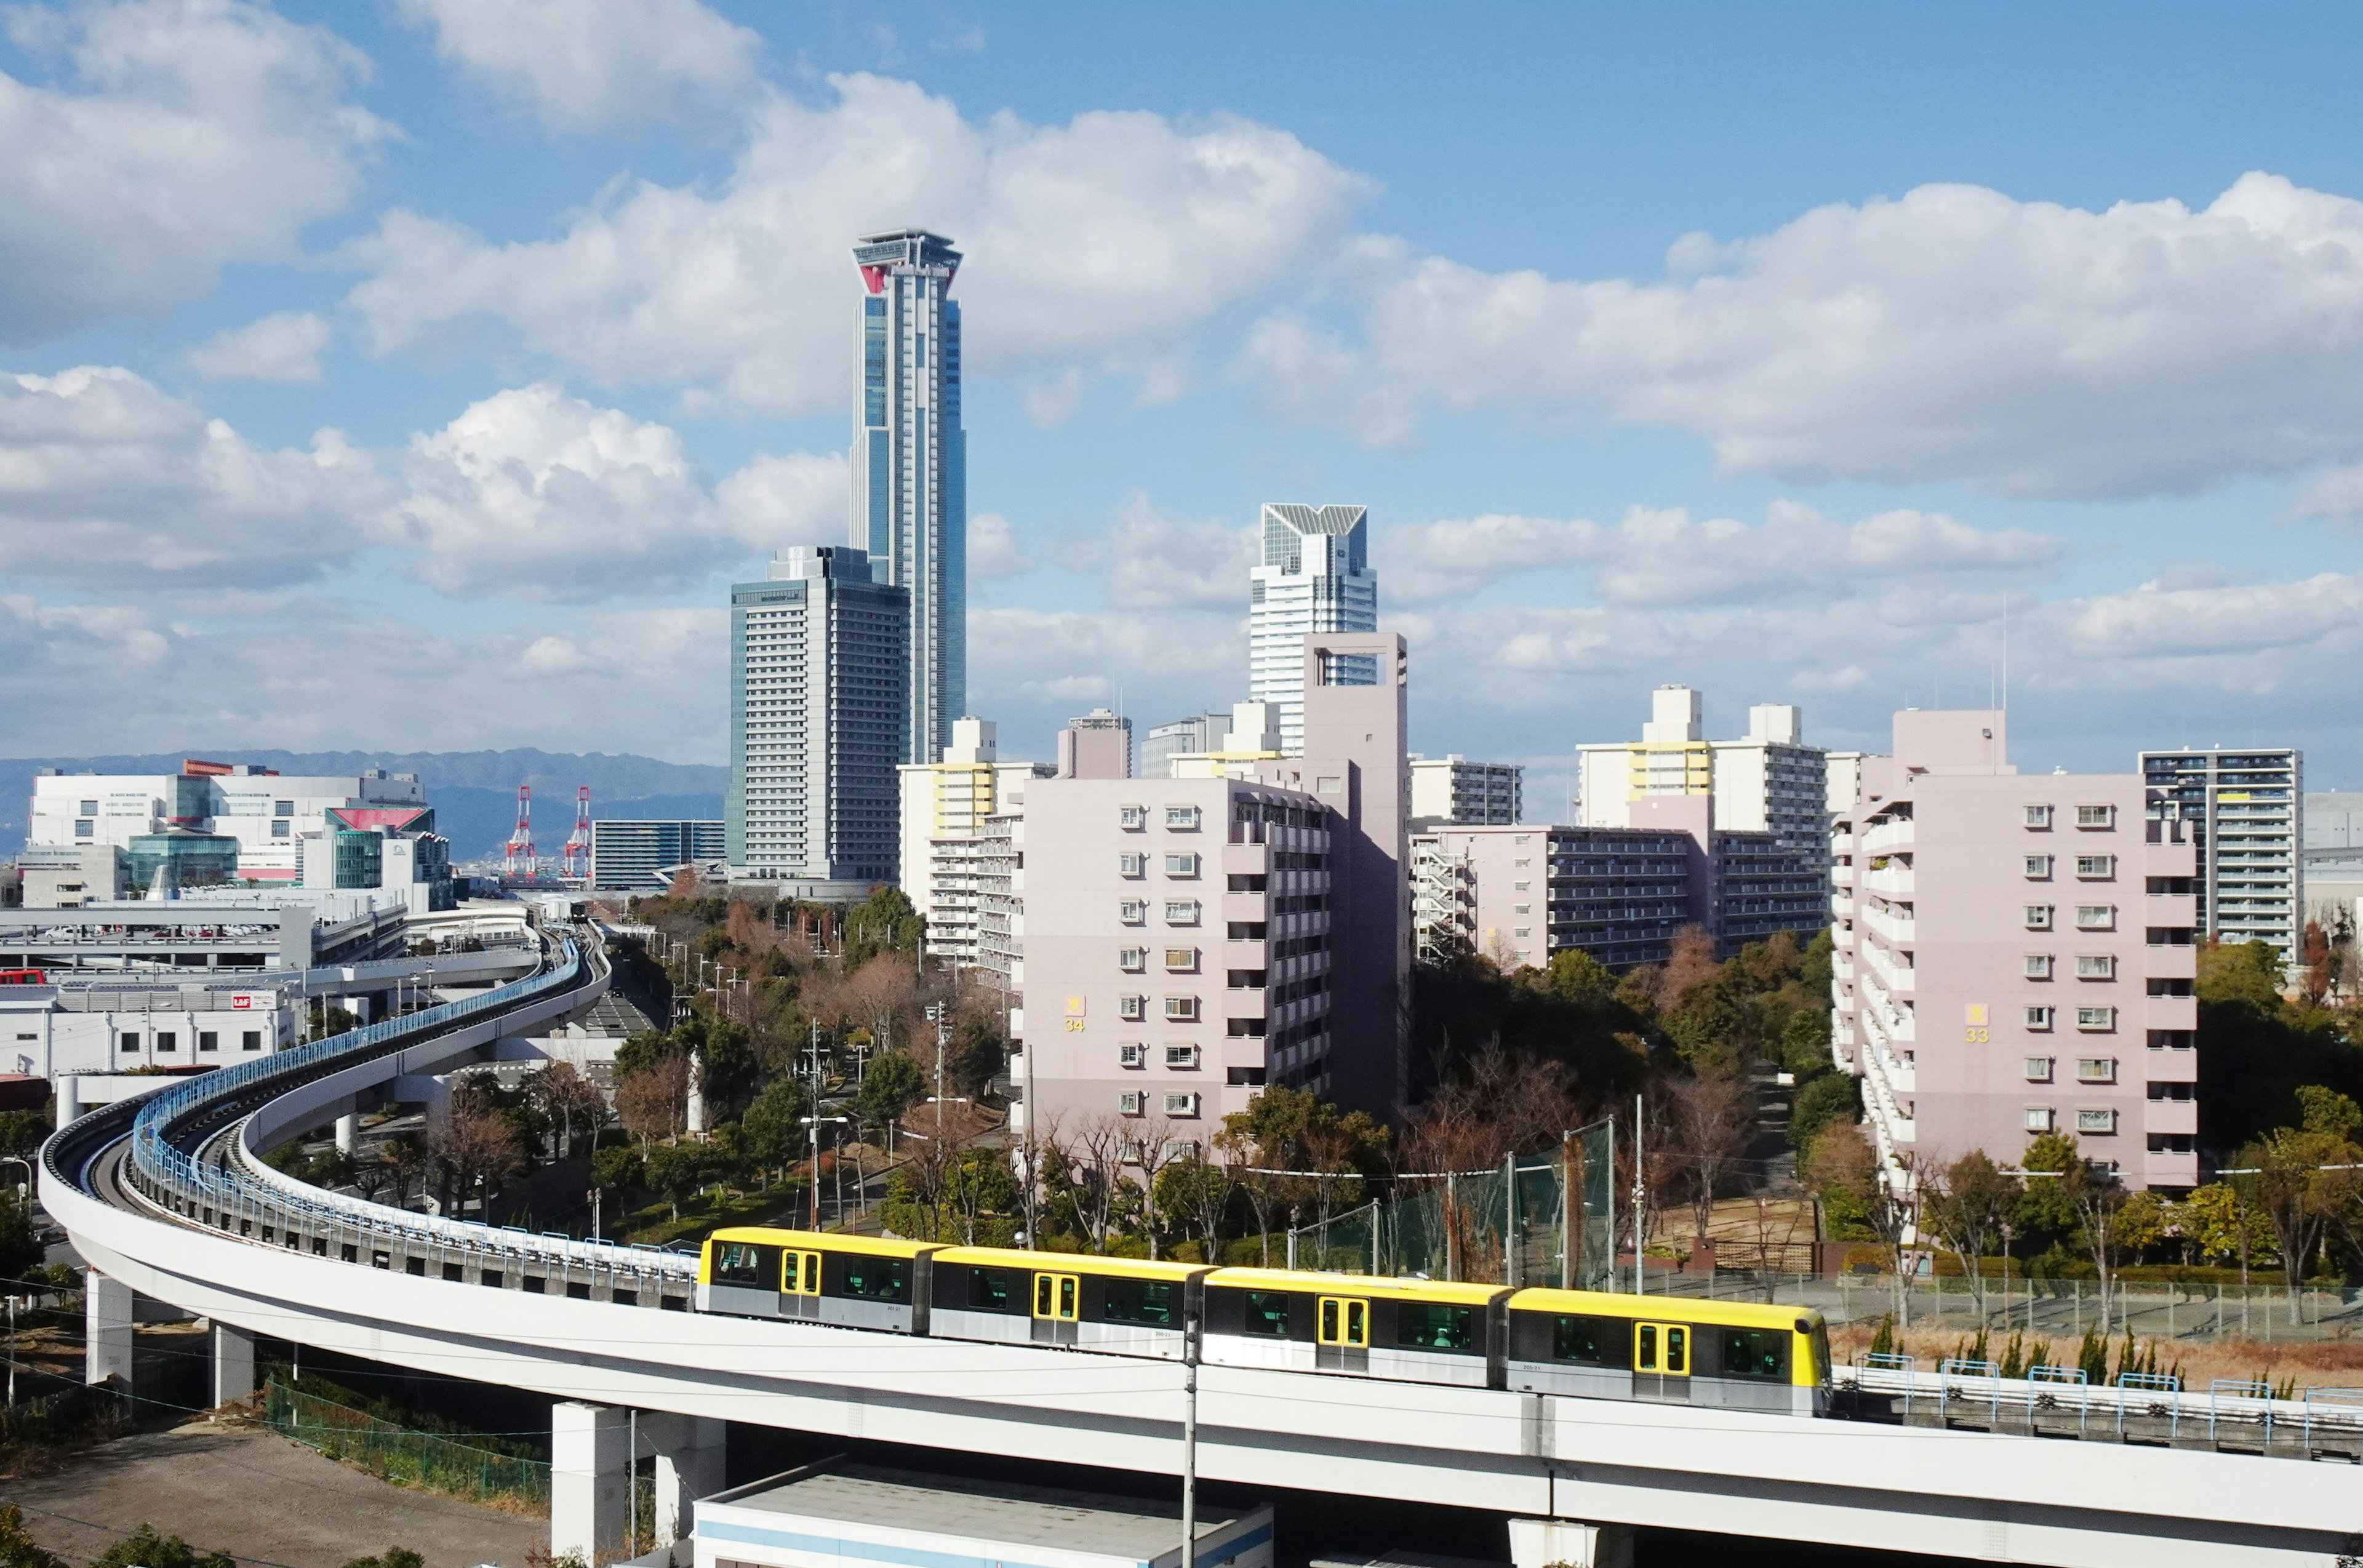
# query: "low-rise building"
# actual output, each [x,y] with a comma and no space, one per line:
[944,807]
[2014,956]
[1768,781]
[211,821]
[390,849]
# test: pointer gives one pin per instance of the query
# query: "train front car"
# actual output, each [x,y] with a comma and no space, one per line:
[852,1282]
[1406,1330]
[1115,1306]
[1728,1355]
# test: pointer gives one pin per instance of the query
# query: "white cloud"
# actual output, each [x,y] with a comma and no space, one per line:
[194,133]
[2158,621]
[2335,496]
[993,550]
[1956,333]
[531,493]
[1094,242]
[1147,560]
[285,347]
[105,481]
[585,65]
[1664,556]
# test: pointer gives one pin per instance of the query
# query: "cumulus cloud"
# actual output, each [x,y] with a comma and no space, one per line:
[1103,237]
[1955,333]
[283,347]
[531,493]
[583,65]
[2158,620]
[189,134]
[1664,556]
[105,480]
[2335,497]
[992,549]
[1148,559]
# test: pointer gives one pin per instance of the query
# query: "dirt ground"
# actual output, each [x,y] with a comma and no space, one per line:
[2316,1363]
[268,1502]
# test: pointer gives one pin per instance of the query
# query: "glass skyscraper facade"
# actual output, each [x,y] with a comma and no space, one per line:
[1315,577]
[909,466]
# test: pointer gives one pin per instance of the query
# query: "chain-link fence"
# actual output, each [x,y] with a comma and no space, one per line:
[397,1454]
[1511,1225]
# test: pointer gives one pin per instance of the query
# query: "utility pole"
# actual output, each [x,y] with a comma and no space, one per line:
[1191,1329]
[812,1137]
[1640,1201]
[936,1017]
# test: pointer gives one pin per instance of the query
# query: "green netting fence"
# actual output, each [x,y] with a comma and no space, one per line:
[1512,1224]
[420,1459]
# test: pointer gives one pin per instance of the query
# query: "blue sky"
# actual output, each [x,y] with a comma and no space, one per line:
[415,374]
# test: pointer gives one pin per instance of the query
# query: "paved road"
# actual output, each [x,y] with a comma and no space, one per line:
[268,1502]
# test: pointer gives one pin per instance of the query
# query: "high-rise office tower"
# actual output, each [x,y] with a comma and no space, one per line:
[909,467]
[1315,578]
[2248,808]
[817,662]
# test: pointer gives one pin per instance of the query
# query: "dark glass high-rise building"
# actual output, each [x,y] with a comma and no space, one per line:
[909,463]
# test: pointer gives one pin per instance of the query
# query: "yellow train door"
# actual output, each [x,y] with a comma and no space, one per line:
[1058,1307]
[1341,1332]
[1661,1361]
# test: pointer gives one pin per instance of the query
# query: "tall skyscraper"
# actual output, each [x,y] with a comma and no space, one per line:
[909,467]
[817,662]
[1315,578]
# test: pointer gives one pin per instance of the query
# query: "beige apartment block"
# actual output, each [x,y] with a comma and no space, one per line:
[2013,956]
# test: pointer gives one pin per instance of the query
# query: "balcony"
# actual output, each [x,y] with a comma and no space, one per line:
[1841,845]
[2171,1116]
[2170,962]
[2166,1065]
[1892,881]
[1247,860]
[1881,964]
[2163,1170]
[2170,859]
[2175,909]
[1895,928]
[1887,835]
[1842,905]
[2171,1012]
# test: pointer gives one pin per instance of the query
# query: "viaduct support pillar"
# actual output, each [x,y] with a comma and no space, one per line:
[348,1133]
[233,1364]
[587,1481]
[688,1451]
[68,1089]
[1536,1543]
[106,1330]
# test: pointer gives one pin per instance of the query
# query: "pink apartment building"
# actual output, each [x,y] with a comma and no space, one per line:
[2013,956]
[1186,941]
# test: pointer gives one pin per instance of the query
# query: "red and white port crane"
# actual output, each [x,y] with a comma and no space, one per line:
[517,856]
[576,865]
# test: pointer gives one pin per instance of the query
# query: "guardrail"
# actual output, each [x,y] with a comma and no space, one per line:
[240,1195]
[2231,1413]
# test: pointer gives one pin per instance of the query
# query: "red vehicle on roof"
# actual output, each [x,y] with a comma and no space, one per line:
[24,977]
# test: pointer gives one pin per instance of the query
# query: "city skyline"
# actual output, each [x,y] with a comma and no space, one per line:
[527,410]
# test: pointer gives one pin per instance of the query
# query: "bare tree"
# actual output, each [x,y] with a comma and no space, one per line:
[653,1103]
[1709,1119]
[1152,1150]
[1965,1206]
[561,1094]
[1098,1154]
[477,1145]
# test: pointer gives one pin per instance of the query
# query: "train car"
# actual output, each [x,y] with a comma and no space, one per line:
[24,977]
[1730,1354]
[1406,1330]
[853,1282]
[1118,1305]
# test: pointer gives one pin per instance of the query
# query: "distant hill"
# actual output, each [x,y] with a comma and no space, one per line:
[473,793]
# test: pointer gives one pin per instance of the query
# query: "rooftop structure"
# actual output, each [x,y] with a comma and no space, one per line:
[1768,781]
[1454,789]
[1314,577]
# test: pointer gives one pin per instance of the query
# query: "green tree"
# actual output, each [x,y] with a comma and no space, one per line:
[1293,1127]
[19,1251]
[1710,1027]
[727,1070]
[1842,1172]
[1833,1098]
[1582,981]
[147,1550]
[645,1050]
[884,922]
[22,1133]
[678,1169]
[891,1084]
[18,1548]
[2325,1111]
[774,1132]
[2284,1181]
[1805,1046]
[618,1169]
[392,1557]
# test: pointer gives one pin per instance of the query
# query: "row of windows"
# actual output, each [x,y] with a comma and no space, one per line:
[1178,1009]
[1135,1102]
[1179,1054]
[2091,866]
[169,1040]
[2089,1069]
[2089,965]
[2088,816]
[2039,1015]
[1177,819]
[2088,916]
[1137,864]
[1178,961]
[2088,1120]
[1178,911]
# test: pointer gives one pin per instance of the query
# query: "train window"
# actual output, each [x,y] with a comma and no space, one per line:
[1266,1314]
[1138,1301]
[988,1290]
[1344,1322]
[1678,1349]
[1581,1339]
[747,1264]
[1645,1349]
[1430,1328]
[1755,1353]
[877,1279]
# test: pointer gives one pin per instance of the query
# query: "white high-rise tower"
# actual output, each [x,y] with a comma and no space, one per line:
[1315,578]
[910,466]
